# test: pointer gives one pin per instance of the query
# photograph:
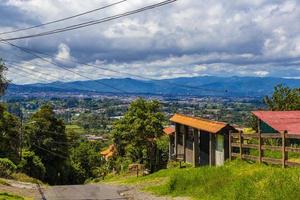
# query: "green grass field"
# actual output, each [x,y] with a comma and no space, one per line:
[75,128]
[6,196]
[235,180]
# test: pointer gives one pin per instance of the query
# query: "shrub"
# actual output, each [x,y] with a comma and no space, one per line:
[32,165]
[7,167]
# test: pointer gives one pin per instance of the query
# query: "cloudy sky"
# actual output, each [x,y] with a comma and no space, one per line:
[185,38]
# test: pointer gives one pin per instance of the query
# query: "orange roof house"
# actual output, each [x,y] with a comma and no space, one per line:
[110,152]
[199,123]
[198,141]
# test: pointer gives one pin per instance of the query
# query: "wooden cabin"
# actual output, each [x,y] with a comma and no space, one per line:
[278,121]
[198,141]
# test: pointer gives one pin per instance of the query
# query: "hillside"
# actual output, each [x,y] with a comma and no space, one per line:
[198,86]
[235,180]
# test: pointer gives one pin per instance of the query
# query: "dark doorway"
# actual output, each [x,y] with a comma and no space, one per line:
[204,148]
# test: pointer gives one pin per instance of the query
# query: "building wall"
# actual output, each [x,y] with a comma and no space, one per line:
[265,128]
[219,159]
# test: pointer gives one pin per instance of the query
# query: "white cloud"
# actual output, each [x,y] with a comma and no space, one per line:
[63,52]
[187,38]
[261,73]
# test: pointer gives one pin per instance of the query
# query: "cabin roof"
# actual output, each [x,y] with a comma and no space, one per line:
[199,123]
[169,130]
[281,120]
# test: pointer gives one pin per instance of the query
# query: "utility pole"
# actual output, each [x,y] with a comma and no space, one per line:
[21,132]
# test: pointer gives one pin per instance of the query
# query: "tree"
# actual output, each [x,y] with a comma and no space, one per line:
[46,137]
[9,135]
[283,99]
[135,135]
[32,165]
[3,80]
[84,160]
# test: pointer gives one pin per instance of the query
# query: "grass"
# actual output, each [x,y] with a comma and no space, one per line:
[24,178]
[75,128]
[7,196]
[3,182]
[235,180]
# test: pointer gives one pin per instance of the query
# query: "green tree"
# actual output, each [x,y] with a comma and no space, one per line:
[283,99]
[47,138]
[9,135]
[135,135]
[85,158]
[32,165]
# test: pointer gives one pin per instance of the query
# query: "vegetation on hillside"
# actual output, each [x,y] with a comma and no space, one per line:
[138,136]
[7,196]
[235,180]
[283,99]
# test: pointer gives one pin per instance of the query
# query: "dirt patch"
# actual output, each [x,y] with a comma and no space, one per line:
[19,188]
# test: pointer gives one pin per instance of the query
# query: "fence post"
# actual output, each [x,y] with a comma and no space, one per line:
[241,144]
[284,156]
[229,145]
[259,147]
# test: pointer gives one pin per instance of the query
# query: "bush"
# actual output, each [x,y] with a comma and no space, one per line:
[32,165]
[7,167]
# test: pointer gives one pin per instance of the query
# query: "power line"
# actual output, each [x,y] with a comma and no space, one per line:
[51,152]
[46,74]
[31,52]
[93,22]
[130,74]
[63,19]
[17,67]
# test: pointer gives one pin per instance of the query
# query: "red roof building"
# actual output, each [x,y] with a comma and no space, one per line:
[280,121]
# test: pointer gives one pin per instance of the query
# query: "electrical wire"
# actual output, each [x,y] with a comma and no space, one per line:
[51,152]
[63,19]
[130,74]
[93,22]
[63,67]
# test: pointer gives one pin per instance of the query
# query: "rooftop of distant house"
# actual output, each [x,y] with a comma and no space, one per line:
[199,123]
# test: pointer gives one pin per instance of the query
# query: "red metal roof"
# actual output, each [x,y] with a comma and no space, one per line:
[169,130]
[281,120]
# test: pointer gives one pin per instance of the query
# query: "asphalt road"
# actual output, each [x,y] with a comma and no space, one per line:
[83,192]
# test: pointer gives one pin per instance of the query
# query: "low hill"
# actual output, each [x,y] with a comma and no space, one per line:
[195,86]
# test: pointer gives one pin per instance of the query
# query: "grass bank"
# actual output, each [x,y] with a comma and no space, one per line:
[235,180]
[6,196]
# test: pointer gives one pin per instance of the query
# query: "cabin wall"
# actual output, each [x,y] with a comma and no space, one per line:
[200,147]
[265,128]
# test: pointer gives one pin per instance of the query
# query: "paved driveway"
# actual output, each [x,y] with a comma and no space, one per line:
[83,192]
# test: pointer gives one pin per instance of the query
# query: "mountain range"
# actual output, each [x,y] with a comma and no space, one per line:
[195,86]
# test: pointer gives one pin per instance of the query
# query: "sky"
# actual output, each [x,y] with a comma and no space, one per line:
[183,39]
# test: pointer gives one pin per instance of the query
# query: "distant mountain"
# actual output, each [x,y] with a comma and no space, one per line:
[198,86]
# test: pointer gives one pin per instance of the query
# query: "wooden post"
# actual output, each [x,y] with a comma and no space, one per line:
[176,139]
[195,148]
[283,149]
[170,147]
[260,143]
[184,142]
[241,144]
[212,149]
[229,145]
